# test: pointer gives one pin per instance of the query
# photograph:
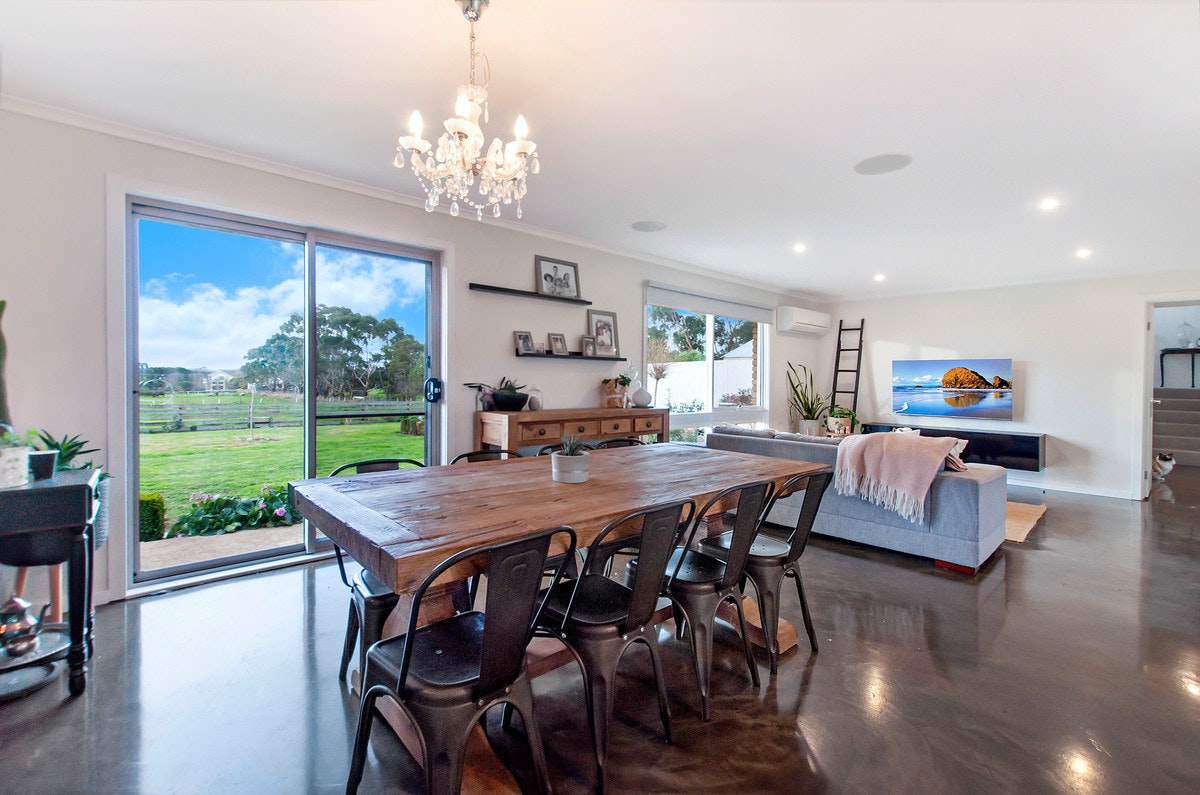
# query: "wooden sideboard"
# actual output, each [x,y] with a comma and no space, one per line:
[509,430]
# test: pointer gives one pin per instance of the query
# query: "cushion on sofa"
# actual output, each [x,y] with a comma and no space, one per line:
[800,437]
[733,430]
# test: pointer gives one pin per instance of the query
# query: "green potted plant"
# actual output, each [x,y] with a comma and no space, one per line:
[614,391]
[841,421]
[505,396]
[570,464]
[806,405]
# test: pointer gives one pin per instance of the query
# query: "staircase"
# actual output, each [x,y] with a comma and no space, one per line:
[1177,424]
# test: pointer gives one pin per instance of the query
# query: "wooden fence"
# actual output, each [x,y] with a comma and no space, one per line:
[163,417]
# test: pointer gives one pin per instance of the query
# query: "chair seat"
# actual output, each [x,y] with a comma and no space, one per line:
[697,570]
[447,655]
[599,602]
[371,587]
[764,549]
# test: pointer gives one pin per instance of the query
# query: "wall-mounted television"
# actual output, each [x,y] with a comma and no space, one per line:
[978,389]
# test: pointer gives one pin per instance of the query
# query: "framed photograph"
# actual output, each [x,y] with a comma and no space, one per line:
[556,277]
[539,347]
[558,344]
[603,326]
[588,346]
[524,341]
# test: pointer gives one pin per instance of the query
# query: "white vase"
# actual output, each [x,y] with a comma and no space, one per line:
[569,468]
[14,466]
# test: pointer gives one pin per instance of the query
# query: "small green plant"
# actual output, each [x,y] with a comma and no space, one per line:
[573,445]
[508,386]
[217,514]
[69,448]
[152,517]
[617,380]
[805,402]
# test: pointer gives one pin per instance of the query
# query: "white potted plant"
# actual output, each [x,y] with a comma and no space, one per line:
[805,404]
[570,465]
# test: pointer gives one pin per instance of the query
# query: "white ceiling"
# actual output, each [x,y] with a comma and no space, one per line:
[736,123]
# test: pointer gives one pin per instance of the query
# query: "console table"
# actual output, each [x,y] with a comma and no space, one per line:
[508,430]
[1165,352]
[44,523]
[1023,451]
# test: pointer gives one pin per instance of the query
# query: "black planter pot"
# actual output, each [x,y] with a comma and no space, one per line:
[510,401]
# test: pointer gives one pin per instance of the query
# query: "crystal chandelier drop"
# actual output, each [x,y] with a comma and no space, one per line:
[457,164]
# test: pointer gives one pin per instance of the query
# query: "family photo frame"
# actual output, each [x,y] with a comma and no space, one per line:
[558,344]
[603,326]
[587,346]
[524,343]
[555,277]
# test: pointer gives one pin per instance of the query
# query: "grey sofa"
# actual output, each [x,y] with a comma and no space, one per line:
[964,511]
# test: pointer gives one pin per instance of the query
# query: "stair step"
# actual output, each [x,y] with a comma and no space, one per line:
[1188,429]
[1176,443]
[1185,417]
[1177,392]
[1177,404]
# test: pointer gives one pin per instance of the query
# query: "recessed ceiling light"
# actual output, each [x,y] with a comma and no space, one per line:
[799,248]
[649,226]
[1049,204]
[879,277]
[1083,253]
[882,164]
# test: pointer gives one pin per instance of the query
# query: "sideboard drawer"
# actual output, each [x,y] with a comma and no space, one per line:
[617,425]
[581,428]
[648,425]
[548,431]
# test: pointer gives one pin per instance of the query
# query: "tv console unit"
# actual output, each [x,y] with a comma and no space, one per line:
[1009,450]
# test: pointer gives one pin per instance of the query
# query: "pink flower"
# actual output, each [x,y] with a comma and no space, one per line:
[281,512]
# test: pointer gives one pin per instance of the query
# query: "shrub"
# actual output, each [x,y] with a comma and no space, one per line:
[152,517]
[217,514]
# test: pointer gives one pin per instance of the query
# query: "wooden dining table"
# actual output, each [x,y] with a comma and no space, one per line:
[400,524]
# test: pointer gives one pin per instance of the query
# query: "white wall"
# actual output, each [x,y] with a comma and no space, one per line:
[61,255]
[1177,368]
[1081,366]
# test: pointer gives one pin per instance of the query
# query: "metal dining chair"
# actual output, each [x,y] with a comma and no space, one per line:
[371,602]
[608,444]
[698,582]
[550,448]
[772,558]
[484,455]
[447,674]
[599,619]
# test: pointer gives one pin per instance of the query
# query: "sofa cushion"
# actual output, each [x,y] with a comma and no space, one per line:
[801,437]
[733,430]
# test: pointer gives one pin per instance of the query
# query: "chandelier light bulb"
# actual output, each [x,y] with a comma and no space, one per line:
[520,129]
[415,124]
[462,108]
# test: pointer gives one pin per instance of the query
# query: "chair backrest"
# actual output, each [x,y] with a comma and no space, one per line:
[550,448]
[606,444]
[376,465]
[484,455]
[751,497]
[660,528]
[814,489]
[514,571]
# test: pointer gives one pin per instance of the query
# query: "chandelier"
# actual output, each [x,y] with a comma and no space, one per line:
[457,171]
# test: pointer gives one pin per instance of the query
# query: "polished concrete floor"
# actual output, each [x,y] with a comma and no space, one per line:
[1070,664]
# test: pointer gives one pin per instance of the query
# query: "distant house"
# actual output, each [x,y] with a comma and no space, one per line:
[219,381]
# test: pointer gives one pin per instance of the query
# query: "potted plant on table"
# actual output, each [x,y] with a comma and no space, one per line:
[806,405]
[570,464]
[841,421]
[505,396]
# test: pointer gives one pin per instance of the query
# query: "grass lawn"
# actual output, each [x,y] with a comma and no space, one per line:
[232,462]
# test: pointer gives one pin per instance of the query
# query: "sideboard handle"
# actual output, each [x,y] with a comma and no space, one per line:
[616,425]
[580,429]
[541,431]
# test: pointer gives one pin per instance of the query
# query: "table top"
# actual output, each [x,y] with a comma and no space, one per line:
[401,524]
[62,501]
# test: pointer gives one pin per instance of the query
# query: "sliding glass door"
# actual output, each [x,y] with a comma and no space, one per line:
[265,353]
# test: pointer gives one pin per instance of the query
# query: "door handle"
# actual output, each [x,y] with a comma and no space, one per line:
[434,389]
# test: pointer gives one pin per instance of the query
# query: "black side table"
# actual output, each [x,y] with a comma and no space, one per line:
[1193,352]
[45,523]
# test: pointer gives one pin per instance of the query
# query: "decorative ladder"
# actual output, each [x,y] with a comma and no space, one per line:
[839,367]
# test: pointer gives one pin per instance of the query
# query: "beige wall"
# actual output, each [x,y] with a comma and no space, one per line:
[62,192]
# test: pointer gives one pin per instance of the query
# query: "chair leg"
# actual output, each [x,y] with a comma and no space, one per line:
[767,582]
[349,643]
[664,708]
[750,663]
[358,759]
[522,699]
[445,733]
[599,663]
[374,616]
[808,622]
[699,611]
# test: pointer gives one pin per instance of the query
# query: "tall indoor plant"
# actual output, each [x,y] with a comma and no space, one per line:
[806,405]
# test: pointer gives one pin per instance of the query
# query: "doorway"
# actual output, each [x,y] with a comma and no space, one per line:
[1175,426]
[265,353]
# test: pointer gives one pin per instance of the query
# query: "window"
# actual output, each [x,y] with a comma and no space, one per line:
[704,360]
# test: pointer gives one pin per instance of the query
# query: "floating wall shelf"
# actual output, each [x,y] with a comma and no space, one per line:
[491,288]
[572,355]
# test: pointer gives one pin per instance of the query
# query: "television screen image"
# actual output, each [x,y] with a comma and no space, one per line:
[973,388]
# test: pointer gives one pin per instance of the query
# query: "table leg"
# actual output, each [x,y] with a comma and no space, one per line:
[78,579]
[1162,374]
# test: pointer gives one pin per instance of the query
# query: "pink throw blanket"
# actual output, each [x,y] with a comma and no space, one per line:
[892,470]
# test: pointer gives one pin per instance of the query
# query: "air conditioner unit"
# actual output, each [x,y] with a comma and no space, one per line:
[795,320]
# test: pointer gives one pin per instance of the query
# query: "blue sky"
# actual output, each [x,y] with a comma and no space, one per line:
[910,372]
[207,297]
